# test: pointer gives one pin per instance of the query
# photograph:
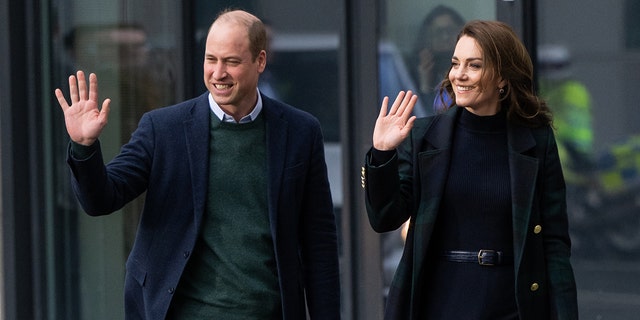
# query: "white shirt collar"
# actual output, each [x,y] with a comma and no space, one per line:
[227,118]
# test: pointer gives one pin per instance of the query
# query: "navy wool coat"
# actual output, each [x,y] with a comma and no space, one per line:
[168,157]
[410,186]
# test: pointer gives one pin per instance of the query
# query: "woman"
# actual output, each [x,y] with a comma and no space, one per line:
[483,188]
[431,54]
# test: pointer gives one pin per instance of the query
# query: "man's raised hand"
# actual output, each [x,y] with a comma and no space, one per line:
[83,119]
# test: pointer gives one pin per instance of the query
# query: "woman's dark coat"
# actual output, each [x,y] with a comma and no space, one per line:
[411,186]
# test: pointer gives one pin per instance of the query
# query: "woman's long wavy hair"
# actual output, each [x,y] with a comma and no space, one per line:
[505,56]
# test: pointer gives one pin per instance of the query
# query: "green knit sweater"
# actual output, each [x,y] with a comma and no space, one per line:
[232,273]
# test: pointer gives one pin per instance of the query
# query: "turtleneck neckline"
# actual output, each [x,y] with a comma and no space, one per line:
[493,123]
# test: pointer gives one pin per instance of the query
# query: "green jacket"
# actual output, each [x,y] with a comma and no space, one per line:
[399,190]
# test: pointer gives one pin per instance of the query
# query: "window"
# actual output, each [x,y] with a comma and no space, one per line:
[135,49]
[584,66]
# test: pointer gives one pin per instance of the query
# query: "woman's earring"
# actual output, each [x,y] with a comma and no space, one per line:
[501,91]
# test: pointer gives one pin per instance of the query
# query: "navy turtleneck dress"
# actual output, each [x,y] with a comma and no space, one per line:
[475,213]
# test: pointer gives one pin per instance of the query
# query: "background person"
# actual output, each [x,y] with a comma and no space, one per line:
[483,188]
[238,220]
[431,54]
[571,104]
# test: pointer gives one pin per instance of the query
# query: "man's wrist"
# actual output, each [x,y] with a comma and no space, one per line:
[81,151]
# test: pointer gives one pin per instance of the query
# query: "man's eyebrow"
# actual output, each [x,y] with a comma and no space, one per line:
[211,55]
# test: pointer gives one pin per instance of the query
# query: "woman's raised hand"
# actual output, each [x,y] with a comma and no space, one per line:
[83,119]
[393,127]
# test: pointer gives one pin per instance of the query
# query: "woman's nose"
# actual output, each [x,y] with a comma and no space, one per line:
[460,73]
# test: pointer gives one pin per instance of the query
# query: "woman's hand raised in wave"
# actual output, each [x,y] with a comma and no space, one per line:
[393,127]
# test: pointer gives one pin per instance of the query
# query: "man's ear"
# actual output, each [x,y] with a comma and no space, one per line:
[262,60]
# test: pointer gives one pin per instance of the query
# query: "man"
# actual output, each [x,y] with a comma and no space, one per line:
[238,220]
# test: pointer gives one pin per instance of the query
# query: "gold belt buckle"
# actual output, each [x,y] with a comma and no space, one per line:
[481,255]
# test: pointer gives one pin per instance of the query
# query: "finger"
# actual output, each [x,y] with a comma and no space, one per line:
[397,102]
[412,103]
[73,89]
[82,86]
[61,99]
[409,125]
[383,108]
[406,106]
[104,111]
[93,87]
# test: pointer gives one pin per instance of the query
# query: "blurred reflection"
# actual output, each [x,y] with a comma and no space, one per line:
[393,77]
[117,46]
[267,80]
[618,203]
[603,190]
[430,58]
[141,77]
[136,76]
[571,105]
[570,102]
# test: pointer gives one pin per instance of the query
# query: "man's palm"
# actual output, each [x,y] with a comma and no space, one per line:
[83,119]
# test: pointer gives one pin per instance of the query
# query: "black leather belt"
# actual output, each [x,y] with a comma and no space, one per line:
[482,257]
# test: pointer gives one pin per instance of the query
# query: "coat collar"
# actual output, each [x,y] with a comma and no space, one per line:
[276,135]
[440,133]
[196,132]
